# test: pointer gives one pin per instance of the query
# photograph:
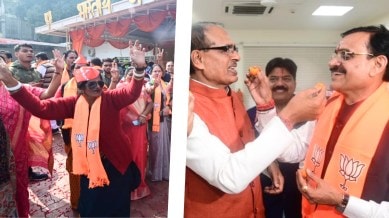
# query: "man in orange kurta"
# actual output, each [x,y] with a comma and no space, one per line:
[222,163]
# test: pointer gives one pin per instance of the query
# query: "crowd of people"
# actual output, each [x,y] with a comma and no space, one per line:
[305,154]
[107,168]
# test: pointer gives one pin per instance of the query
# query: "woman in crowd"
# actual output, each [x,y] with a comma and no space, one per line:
[7,176]
[134,119]
[16,120]
[159,153]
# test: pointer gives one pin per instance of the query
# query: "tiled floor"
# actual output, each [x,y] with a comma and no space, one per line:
[50,198]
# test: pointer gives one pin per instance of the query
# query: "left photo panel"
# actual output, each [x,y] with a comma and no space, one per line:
[86,107]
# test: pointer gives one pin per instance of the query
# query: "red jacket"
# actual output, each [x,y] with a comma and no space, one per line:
[114,143]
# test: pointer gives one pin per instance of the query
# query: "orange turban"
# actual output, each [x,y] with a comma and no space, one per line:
[85,74]
[81,60]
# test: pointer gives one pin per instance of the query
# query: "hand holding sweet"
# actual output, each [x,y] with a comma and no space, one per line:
[258,85]
[316,190]
[304,106]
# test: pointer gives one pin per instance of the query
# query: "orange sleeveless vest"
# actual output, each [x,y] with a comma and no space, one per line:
[354,149]
[226,118]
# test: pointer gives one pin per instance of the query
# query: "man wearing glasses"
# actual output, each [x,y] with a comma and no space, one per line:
[223,159]
[347,164]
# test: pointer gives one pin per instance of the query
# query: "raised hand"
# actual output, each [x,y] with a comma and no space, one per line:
[305,105]
[259,87]
[137,54]
[159,58]
[115,72]
[58,61]
[6,75]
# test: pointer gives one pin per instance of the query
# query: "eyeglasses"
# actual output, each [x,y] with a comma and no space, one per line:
[226,48]
[93,84]
[347,55]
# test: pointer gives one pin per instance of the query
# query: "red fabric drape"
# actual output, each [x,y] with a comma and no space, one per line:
[95,32]
[77,37]
[119,28]
[148,23]
[94,42]
[118,44]
[92,36]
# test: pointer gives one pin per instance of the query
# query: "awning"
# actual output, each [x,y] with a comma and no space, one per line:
[5,41]
[153,21]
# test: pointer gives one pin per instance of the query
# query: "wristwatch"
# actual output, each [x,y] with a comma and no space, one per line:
[342,206]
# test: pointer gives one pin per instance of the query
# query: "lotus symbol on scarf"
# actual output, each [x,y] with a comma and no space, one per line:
[92,145]
[316,157]
[79,138]
[349,169]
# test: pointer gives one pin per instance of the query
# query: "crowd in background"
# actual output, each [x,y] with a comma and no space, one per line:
[146,122]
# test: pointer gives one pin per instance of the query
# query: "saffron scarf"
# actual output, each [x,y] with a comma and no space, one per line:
[157,105]
[70,89]
[354,149]
[65,75]
[85,143]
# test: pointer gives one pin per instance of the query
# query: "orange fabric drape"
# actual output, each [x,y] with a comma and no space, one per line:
[119,28]
[95,32]
[94,42]
[150,22]
[77,37]
[93,38]
[118,44]
[40,143]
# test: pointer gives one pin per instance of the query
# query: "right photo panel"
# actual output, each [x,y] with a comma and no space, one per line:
[283,96]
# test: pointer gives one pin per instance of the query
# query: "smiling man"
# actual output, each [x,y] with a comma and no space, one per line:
[223,159]
[282,77]
[347,157]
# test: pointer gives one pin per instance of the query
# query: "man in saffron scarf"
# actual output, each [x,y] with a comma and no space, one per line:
[223,158]
[102,154]
[346,163]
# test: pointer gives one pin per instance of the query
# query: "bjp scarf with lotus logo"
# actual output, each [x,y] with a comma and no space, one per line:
[354,149]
